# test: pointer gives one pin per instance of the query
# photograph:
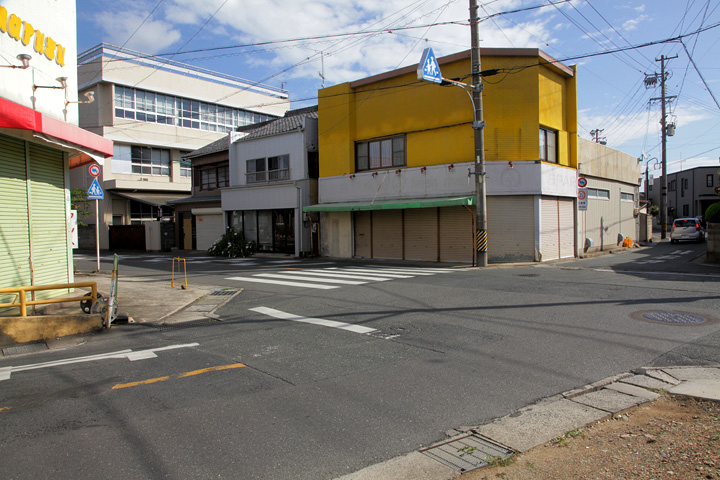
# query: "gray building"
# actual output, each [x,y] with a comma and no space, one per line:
[690,192]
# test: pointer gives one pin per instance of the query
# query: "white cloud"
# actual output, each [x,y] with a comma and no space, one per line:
[633,23]
[153,37]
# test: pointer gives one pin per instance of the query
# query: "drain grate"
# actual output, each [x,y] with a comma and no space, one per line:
[531,275]
[222,293]
[22,349]
[674,317]
[468,453]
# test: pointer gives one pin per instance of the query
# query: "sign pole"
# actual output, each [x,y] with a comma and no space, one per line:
[97,234]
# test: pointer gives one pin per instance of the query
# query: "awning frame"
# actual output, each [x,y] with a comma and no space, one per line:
[394,204]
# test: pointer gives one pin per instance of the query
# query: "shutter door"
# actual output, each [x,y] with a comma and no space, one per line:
[457,237]
[421,234]
[387,234]
[549,229]
[567,227]
[209,230]
[14,244]
[362,234]
[49,236]
[511,228]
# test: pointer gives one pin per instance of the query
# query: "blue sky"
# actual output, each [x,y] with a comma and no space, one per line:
[291,43]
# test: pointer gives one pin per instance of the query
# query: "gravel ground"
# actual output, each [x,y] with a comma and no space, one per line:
[671,438]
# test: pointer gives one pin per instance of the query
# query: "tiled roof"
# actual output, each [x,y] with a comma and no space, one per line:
[217,146]
[293,120]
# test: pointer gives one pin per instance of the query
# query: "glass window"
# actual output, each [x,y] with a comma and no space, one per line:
[279,168]
[709,181]
[548,145]
[256,170]
[150,161]
[383,153]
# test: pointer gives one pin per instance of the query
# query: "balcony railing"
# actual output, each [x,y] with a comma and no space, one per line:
[269,176]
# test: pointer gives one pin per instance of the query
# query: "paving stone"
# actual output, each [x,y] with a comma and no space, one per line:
[611,401]
[694,373]
[628,389]
[647,382]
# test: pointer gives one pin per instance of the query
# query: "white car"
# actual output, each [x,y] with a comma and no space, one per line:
[687,229]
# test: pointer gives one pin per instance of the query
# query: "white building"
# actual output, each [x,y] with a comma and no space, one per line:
[155,110]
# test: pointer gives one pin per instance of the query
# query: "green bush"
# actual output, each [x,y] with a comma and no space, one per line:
[232,244]
[654,210]
[712,214]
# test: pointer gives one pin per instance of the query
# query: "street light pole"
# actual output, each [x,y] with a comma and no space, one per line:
[478,127]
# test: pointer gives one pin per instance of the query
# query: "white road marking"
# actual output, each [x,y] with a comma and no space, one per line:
[292,276]
[417,269]
[370,271]
[322,273]
[271,312]
[280,282]
[129,354]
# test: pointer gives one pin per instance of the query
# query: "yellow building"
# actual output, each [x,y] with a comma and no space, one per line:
[396,156]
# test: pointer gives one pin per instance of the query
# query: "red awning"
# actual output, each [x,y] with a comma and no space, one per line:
[88,146]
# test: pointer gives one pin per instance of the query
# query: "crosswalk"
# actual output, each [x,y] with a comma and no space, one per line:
[337,277]
[673,255]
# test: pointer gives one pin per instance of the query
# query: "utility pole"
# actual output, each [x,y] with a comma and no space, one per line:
[663,123]
[478,127]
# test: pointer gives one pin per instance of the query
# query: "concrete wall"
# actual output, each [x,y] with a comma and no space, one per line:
[713,243]
[336,237]
[604,162]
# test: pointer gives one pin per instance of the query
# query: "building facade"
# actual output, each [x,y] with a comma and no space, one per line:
[39,142]
[689,194]
[155,111]
[273,176]
[396,157]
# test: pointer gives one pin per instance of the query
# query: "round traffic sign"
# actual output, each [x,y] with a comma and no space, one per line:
[94,169]
[582,195]
[582,182]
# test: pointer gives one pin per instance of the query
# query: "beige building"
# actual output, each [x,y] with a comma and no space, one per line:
[156,110]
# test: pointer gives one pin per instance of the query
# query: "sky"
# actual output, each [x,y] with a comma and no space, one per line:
[302,45]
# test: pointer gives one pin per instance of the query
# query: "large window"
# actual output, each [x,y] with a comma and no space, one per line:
[214,178]
[271,169]
[709,181]
[548,145]
[150,161]
[627,197]
[598,193]
[153,107]
[382,153]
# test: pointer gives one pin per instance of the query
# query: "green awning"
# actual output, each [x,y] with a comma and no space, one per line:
[397,204]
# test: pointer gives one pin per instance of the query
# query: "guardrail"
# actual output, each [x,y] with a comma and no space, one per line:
[21,295]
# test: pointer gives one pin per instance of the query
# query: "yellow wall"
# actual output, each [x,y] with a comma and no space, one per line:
[437,120]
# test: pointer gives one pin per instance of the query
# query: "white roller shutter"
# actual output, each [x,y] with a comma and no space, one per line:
[566,208]
[457,236]
[421,234]
[387,234]
[209,230]
[511,228]
[549,229]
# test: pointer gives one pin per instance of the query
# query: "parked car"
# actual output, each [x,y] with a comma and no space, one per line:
[688,229]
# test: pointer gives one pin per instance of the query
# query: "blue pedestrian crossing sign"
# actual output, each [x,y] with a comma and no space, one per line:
[428,68]
[95,192]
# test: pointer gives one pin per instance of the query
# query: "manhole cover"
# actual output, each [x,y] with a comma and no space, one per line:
[671,318]
[468,453]
[27,348]
[219,293]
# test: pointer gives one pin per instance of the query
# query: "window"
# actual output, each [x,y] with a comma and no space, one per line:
[548,145]
[686,210]
[383,153]
[598,193]
[256,170]
[150,161]
[671,186]
[627,197]
[214,178]
[271,169]
[154,107]
[650,187]
[709,181]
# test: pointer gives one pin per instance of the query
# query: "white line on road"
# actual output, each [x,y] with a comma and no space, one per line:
[293,276]
[369,271]
[271,312]
[321,273]
[129,354]
[280,282]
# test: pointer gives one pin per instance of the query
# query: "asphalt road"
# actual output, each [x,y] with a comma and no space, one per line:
[261,397]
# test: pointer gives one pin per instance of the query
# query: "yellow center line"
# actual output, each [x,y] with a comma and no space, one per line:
[4,408]
[210,369]
[180,375]
[143,382]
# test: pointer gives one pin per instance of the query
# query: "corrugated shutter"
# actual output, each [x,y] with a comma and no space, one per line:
[549,227]
[421,234]
[209,230]
[49,236]
[14,245]
[456,234]
[387,234]
[511,228]
[362,234]
[567,227]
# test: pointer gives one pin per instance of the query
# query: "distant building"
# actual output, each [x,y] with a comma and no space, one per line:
[155,110]
[39,142]
[690,192]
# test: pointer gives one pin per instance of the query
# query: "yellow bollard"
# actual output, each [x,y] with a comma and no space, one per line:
[172,280]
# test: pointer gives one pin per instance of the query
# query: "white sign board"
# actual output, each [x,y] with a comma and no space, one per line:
[582,199]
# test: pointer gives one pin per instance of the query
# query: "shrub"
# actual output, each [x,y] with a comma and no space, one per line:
[712,214]
[232,244]
[654,210]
